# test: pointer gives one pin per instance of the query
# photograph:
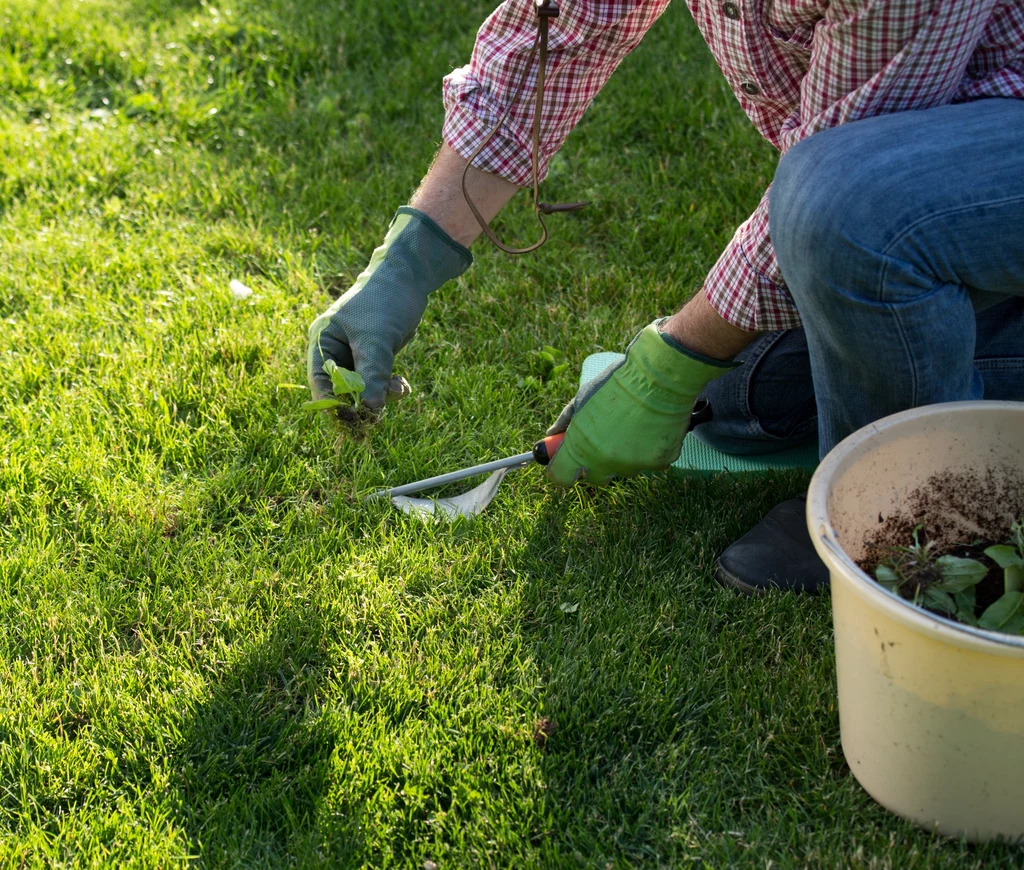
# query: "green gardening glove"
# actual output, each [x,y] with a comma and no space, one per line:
[634,415]
[365,328]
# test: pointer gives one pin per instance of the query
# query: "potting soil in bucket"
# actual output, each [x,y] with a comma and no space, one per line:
[931,712]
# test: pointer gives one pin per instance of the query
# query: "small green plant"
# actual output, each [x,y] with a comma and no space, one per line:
[550,361]
[1007,613]
[946,584]
[344,382]
[546,364]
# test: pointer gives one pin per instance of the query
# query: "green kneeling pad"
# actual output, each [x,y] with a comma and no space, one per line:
[697,458]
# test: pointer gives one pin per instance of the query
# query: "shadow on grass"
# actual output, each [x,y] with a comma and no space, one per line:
[257,751]
[680,707]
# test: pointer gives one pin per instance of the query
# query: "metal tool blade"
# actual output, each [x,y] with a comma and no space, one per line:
[469,504]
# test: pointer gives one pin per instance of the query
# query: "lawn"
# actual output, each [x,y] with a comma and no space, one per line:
[211,649]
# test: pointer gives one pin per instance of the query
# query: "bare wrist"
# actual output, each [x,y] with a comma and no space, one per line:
[698,327]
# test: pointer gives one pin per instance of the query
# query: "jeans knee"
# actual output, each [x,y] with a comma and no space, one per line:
[788,192]
[809,218]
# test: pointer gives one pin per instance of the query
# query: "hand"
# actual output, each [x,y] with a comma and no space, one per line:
[365,328]
[634,415]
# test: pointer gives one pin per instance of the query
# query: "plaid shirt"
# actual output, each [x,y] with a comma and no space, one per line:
[796,66]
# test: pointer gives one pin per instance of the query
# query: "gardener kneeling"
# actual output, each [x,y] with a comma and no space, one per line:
[882,270]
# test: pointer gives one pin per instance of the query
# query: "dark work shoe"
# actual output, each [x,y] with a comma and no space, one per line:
[776,554]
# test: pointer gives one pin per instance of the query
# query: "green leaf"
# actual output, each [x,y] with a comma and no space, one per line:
[1000,613]
[556,355]
[347,381]
[958,574]
[887,577]
[320,404]
[936,599]
[1004,555]
[566,607]
[966,602]
[549,362]
[292,387]
[344,381]
[966,598]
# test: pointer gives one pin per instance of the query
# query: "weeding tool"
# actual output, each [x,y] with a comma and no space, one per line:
[476,500]
[542,452]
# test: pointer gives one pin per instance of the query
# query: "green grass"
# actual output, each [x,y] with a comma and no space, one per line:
[210,648]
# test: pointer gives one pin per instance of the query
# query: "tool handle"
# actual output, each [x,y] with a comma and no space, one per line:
[545,449]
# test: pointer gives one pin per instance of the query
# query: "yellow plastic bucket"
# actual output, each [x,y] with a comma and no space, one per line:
[931,712]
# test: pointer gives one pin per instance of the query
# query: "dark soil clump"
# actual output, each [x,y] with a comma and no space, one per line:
[543,730]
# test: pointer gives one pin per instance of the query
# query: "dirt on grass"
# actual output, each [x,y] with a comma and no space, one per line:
[543,730]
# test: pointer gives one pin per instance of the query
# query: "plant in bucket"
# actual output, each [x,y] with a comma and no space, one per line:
[918,517]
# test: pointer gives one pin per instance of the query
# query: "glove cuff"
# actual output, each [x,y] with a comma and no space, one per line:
[415,238]
[430,224]
[671,366]
[415,259]
[692,354]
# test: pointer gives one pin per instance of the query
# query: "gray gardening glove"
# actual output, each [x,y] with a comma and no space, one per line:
[365,328]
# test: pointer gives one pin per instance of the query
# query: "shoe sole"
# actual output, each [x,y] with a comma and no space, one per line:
[731,581]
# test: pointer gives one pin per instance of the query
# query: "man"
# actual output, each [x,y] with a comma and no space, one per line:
[882,270]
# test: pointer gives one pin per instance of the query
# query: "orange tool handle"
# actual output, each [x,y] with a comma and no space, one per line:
[545,449]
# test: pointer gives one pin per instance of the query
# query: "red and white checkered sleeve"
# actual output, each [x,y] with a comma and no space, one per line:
[745,286]
[587,41]
[868,59]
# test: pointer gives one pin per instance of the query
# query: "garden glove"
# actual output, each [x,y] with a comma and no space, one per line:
[365,328]
[634,415]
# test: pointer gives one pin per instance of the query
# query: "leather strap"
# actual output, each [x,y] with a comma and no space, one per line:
[546,9]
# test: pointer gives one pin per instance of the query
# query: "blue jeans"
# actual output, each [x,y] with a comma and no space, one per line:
[901,239]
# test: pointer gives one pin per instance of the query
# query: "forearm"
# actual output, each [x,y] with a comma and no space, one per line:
[440,196]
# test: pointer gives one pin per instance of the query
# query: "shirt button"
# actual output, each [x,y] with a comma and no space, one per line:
[731,10]
[750,89]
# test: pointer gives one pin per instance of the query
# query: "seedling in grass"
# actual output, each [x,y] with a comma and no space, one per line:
[345,384]
[946,584]
[551,362]
[546,364]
